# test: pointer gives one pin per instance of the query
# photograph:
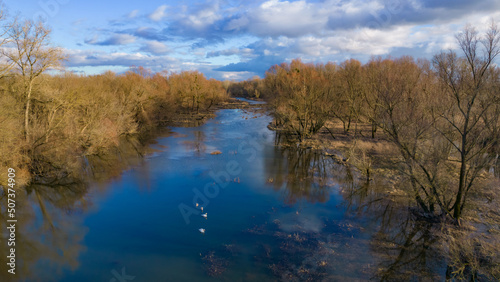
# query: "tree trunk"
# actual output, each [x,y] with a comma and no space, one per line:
[374,129]
[27,112]
[461,187]
[461,184]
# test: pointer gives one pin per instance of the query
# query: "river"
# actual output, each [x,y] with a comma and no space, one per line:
[272,213]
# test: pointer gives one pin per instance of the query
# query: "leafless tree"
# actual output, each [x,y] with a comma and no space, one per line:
[31,55]
[349,94]
[300,99]
[5,38]
[470,122]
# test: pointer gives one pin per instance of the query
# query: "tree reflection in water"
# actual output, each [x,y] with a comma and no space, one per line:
[401,246]
[410,246]
[197,144]
[47,232]
[378,238]
[308,245]
[405,247]
[302,172]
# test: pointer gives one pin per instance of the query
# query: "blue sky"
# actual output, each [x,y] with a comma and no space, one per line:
[235,39]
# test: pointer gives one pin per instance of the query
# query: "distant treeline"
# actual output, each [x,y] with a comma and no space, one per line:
[441,115]
[51,124]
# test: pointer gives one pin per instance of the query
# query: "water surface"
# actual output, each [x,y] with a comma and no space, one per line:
[273,213]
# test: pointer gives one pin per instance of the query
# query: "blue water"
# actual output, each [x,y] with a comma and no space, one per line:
[272,214]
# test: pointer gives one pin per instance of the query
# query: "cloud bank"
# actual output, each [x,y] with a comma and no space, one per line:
[248,37]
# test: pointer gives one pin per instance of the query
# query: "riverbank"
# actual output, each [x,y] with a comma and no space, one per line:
[68,119]
[278,212]
[109,162]
[467,245]
[370,155]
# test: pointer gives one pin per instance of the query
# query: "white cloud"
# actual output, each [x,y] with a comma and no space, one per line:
[231,75]
[286,18]
[202,18]
[238,24]
[116,39]
[79,58]
[299,18]
[155,47]
[246,52]
[133,14]
[159,13]
[317,31]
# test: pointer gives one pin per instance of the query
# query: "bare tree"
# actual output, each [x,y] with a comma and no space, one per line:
[401,109]
[445,120]
[349,93]
[373,73]
[5,30]
[300,100]
[469,122]
[31,55]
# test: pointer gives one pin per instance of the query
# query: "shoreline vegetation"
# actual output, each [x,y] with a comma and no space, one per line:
[440,117]
[76,121]
[57,127]
[430,128]
[53,125]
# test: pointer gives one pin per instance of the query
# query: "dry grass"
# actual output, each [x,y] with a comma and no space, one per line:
[358,149]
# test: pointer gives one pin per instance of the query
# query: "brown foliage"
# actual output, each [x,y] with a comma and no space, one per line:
[299,97]
[73,118]
[443,117]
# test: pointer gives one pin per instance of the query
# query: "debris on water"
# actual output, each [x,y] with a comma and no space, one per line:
[214,265]
[230,250]
[298,255]
[257,230]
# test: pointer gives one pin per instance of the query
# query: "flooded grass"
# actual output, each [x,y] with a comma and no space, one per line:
[217,262]
[214,265]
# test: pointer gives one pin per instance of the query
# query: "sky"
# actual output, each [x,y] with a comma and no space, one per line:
[237,40]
